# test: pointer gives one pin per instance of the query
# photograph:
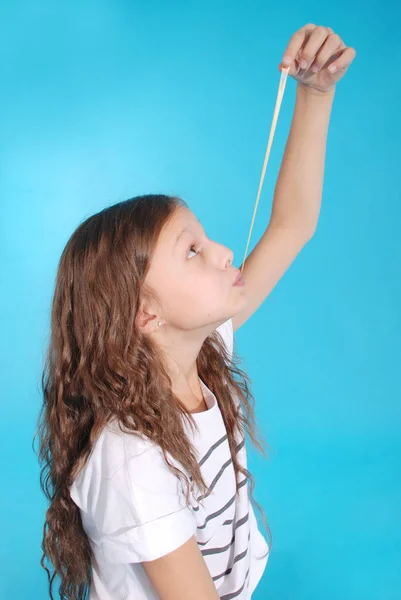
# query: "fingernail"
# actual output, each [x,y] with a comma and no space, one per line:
[287,60]
[332,68]
[303,64]
[315,68]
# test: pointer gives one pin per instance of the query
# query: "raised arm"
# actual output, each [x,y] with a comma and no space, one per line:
[312,53]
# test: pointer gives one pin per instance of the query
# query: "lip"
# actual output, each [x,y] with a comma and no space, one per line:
[239,280]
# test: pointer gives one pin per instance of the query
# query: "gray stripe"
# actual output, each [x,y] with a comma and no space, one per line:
[215,480]
[215,445]
[238,592]
[228,571]
[219,474]
[219,512]
[212,448]
[224,548]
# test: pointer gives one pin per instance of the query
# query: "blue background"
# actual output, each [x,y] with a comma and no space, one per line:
[102,101]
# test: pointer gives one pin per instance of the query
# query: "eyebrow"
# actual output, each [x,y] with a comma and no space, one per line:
[181,234]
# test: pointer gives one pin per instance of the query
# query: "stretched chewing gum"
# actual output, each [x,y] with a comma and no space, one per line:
[280,94]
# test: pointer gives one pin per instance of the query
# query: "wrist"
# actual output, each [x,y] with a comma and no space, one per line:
[311,92]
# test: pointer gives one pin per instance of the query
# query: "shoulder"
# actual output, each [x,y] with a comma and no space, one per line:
[121,460]
[112,449]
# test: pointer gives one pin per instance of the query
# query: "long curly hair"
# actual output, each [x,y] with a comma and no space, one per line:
[99,366]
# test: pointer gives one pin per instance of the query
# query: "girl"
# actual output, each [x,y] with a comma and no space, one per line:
[145,408]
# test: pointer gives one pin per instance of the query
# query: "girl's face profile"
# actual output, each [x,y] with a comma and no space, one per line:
[193,275]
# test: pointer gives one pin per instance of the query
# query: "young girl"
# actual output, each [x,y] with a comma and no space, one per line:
[145,408]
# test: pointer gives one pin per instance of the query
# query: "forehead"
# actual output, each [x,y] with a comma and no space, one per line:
[183,218]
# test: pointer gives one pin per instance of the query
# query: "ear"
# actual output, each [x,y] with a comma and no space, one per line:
[146,320]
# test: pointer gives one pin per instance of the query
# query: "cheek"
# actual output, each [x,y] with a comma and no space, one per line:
[191,294]
[188,288]
[175,288]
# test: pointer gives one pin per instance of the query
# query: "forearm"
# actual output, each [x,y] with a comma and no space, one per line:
[298,191]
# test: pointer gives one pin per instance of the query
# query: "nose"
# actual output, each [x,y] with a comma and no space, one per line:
[229,258]
[221,256]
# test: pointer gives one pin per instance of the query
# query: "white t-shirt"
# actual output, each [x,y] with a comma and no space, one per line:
[133,509]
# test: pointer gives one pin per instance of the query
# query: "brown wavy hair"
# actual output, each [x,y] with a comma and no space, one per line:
[98,366]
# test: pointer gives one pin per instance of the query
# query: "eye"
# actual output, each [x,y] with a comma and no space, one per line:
[193,246]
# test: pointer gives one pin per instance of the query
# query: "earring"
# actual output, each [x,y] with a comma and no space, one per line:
[159,323]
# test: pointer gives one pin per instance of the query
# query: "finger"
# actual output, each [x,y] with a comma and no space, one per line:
[295,43]
[316,41]
[344,60]
[332,45]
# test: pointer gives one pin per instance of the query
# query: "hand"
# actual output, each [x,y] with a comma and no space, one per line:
[312,53]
